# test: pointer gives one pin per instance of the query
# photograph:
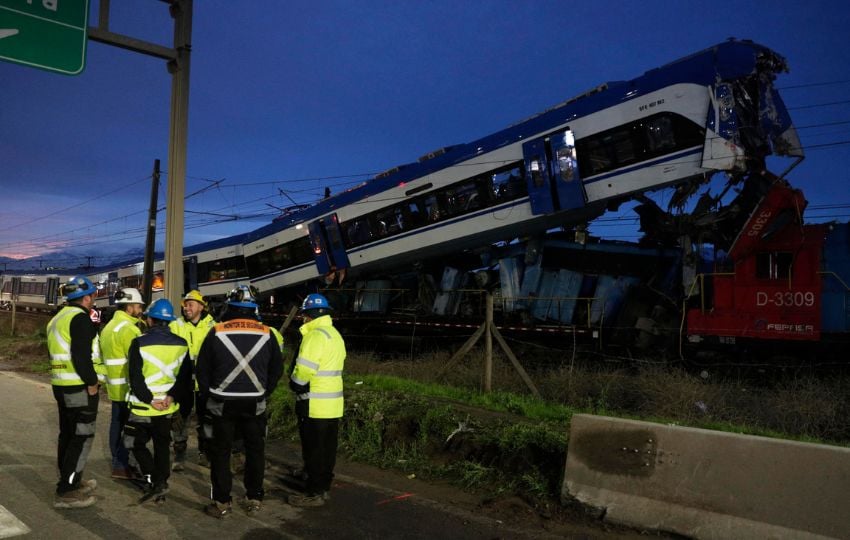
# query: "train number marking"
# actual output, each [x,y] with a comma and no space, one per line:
[760,222]
[787,298]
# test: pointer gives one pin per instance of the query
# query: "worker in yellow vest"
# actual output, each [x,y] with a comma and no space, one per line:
[317,383]
[72,344]
[160,384]
[115,340]
[193,326]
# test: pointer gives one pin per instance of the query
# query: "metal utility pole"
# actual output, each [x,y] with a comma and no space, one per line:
[150,241]
[178,67]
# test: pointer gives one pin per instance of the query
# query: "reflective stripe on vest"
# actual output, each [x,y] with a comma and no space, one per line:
[62,372]
[160,364]
[115,341]
[243,365]
[320,365]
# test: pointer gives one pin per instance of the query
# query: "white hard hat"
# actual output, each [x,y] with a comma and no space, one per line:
[129,296]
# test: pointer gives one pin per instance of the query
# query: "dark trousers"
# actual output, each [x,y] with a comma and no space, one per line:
[204,429]
[226,415]
[120,454]
[77,416]
[318,448]
[141,429]
[181,436]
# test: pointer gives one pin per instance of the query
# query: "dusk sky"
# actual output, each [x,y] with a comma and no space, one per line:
[298,96]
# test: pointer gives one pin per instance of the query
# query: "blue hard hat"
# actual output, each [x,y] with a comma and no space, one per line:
[243,296]
[162,310]
[315,301]
[77,287]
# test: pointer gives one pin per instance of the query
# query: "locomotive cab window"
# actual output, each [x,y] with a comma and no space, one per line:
[774,265]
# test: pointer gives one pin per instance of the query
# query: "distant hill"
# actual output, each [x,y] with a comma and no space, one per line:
[71,260]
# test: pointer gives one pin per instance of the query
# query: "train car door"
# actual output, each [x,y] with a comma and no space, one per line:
[190,273]
[552,173]
[328,249]
[51,292]
[537,175]
[568,184]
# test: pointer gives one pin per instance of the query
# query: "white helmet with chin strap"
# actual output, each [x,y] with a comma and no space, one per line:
[129,296]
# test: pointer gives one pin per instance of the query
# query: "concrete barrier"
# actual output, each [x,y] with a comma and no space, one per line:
[708,484]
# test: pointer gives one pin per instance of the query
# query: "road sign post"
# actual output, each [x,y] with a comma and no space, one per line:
[47,34]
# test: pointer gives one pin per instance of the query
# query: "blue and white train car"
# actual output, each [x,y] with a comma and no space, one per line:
[714,111]
[216,267]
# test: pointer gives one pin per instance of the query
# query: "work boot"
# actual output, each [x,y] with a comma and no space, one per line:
[124,473]
[88,486]
[305,501]
[74,499]
[251,506]
[218,510]
[179,461]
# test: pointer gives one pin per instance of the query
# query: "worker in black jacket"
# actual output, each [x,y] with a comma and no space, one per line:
[239,366]
[160,373]
[74,360]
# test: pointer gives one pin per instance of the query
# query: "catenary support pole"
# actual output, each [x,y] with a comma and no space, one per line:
[150,242]
[181,10]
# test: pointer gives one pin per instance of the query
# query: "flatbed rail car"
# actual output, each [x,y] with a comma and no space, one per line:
[714,111]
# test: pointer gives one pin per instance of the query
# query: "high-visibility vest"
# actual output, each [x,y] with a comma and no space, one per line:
[160,366]
[320,363]
[62,372]
[115,339]
[277,337]
[194,334]
[243,366]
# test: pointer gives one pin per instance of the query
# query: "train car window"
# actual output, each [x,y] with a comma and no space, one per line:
[432,208]
[637,141]
[457,199]
[357,232]
[7,287]
[413,215]
[278,258]
[509,184]
[301,250]
[624,146]
[134,281]
[536,169]
[221,269]
[659,134]
[566,157]
[32,288]
[774,265]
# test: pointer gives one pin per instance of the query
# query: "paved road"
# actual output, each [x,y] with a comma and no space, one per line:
[360,508]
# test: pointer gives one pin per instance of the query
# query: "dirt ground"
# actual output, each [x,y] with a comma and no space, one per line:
[20,354]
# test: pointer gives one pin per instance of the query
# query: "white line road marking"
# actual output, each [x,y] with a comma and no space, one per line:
[10,525]
[8,32]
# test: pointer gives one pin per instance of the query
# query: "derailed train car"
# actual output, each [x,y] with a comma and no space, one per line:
[505,213]
[714,111]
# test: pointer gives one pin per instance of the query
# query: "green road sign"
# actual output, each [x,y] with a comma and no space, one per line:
[47,34]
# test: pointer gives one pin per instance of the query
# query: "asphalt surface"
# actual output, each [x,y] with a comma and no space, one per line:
[363,506]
